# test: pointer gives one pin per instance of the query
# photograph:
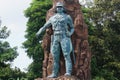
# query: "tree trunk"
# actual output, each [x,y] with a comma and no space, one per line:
[81,69]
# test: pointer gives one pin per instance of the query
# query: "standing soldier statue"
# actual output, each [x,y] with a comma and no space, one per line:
[63,28]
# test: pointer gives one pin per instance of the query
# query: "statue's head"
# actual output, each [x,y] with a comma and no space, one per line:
[60,8]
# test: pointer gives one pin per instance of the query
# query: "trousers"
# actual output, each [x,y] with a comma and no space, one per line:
[64,43]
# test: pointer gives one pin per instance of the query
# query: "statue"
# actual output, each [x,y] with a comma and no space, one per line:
[62,26]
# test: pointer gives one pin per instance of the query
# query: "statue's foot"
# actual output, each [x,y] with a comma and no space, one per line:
[52,76]
[67,74]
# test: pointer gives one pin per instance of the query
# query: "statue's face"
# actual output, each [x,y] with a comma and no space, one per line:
[59,9]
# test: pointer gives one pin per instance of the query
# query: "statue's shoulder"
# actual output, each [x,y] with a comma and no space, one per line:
[52,17]
[68,16]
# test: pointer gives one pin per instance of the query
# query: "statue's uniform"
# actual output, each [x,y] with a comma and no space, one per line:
[62,26]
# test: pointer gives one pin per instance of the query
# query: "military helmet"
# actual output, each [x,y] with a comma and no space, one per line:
[59,4]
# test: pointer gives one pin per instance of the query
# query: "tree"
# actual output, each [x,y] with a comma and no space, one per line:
[3,33]
[105,39]
[36,18]
[7,55]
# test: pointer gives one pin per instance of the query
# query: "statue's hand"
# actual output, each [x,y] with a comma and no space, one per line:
[68,34]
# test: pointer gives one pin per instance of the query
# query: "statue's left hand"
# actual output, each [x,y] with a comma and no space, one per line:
[68,34]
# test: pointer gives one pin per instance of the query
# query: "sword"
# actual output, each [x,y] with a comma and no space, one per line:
[73,56]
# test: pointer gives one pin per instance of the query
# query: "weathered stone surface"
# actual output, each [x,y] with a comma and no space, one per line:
[81,69]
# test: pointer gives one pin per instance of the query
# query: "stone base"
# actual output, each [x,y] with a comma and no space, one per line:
[60,78]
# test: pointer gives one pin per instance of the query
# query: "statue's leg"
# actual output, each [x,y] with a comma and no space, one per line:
[68,63]
[55,50]
[67,48]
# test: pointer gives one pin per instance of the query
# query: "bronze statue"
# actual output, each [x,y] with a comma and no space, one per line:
[62,27]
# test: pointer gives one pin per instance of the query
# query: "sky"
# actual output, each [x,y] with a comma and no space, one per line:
[12,16]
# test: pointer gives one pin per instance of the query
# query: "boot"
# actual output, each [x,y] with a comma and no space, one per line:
[67,74]
[52,76]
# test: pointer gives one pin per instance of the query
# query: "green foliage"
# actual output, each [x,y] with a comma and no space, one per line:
[7,55]
[7,73]
[4,33]
[6,52]
[36,15]
[104,39]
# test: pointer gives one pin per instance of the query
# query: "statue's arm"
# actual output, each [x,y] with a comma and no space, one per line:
[46,25]
[71,25]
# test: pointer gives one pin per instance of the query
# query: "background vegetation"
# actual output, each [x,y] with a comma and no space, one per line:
[7,55]
[104,39]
